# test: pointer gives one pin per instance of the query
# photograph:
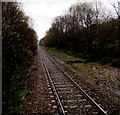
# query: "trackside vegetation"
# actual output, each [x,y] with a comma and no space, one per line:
[87,31]
[19,45]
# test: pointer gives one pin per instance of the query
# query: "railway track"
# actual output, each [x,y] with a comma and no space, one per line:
[70,98]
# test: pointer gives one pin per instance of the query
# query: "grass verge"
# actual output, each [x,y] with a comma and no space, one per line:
[102,75]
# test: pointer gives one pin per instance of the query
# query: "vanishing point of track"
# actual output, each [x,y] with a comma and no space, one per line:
[70,97]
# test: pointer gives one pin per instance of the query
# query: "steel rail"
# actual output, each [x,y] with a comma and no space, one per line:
[60,106]
[102,111]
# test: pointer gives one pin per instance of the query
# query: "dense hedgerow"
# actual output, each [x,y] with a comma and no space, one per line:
[19,45]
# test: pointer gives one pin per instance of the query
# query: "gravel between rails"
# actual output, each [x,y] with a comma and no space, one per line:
[109,100]
[39,99]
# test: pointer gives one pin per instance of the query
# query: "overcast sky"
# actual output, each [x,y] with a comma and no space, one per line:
[42,12]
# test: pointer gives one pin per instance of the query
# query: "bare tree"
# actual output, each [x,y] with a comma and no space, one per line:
[116,6]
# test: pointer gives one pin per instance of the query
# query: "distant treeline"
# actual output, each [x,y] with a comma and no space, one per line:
[19,44]
[88,32]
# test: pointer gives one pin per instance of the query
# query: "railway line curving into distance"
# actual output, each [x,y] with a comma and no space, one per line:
[69,97]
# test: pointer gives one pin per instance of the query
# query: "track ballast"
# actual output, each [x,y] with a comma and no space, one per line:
[69,96]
